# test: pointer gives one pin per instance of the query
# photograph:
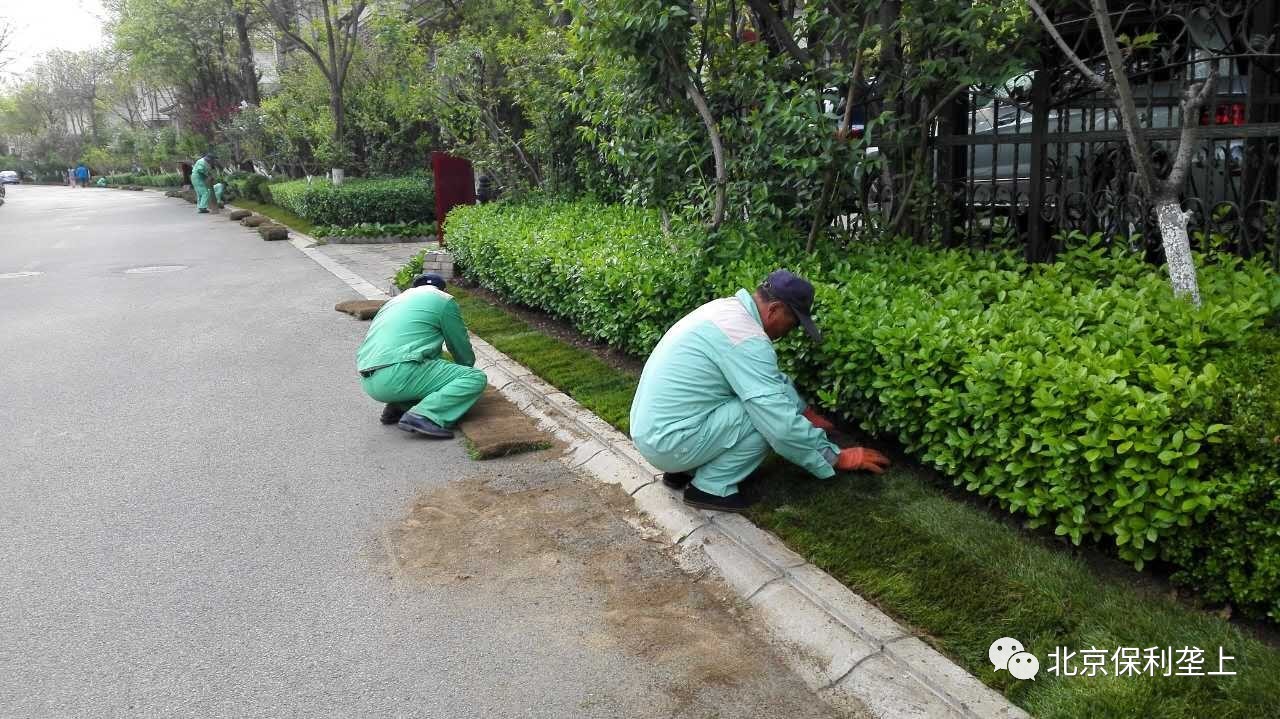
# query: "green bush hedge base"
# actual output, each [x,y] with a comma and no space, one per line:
[169,179]
[399,200]
[1082,394]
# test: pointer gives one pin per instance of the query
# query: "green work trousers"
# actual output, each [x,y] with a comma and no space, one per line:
[202,193]
[721,450]
[217,192]
[439,390]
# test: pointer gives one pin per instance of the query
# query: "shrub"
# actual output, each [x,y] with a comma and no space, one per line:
[609,270]
[1235,555]
[167,179]
[393,201]
[1082,394]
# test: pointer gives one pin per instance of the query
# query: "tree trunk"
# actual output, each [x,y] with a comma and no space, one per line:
[717,149]
[248,72]
[1177,248]
[339,124]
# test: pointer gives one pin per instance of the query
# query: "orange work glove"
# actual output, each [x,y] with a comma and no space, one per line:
[817,420]
[854,458]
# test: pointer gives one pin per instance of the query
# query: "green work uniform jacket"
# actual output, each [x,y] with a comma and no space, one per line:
[720,353]
[411,327]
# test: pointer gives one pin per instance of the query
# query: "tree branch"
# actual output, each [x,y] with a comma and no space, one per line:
[1070,54]
[778,29]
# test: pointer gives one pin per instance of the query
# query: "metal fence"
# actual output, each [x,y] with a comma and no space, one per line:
[1045,154]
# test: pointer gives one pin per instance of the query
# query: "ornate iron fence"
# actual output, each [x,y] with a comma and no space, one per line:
[1045,153]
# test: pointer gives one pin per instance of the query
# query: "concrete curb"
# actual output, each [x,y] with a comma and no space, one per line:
[840,644]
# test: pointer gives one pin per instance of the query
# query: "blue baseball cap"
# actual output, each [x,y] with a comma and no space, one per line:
[429,278]
[796,293]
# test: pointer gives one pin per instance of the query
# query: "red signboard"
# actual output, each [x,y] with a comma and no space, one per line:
[455,184]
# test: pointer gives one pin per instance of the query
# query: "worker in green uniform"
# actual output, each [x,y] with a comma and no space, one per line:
[399,361]
[712,402]
[201,174]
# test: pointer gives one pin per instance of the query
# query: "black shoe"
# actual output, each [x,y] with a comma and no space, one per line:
[695,497]
[202,212]
[676,480]
[392,413]
[411,422]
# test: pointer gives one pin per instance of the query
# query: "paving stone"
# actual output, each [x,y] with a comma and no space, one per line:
[831,648]
[861,616]
[668,512]
[769,546]
[889,691]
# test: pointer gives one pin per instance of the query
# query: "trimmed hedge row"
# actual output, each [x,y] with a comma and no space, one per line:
[399,200]
[1081,395]
[167,179]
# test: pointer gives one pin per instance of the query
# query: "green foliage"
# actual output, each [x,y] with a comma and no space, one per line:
[250,186]
[1080,395]
[378,229]
[408,199]
[168,179]
[1235,555]
[609,270]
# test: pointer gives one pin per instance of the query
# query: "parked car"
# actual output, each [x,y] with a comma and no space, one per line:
[9,177]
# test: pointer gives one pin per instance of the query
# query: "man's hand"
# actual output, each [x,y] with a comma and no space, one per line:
[855,458]
[817,420]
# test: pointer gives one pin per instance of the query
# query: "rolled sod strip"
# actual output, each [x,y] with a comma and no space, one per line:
[360,309]
[273,232]
[237,215]
[495,427]
[253,221]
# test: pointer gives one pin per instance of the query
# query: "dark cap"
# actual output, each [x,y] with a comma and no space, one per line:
[429,279]
[796,293]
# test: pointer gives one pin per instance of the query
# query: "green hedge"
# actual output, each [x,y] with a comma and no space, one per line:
[407,199]
[168,179]
[1081,395]
[609,270]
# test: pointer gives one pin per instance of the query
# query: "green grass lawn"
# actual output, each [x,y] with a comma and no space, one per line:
[279,214]
[575,371]
[948,568]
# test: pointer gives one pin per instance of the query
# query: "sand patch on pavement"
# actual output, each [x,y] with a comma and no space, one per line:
[552,533]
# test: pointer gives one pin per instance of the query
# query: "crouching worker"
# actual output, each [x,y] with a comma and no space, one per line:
[712,401]
[399,361]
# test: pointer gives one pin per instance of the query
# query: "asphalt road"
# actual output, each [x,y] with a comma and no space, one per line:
[195,501]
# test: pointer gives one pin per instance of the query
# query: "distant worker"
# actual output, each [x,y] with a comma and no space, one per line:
[399,361]
[82,175]
[201,174]
[711,401]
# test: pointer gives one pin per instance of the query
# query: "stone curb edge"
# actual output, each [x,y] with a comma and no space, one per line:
[853,648]
[847,647]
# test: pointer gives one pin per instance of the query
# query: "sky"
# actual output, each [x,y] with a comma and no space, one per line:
[43,25]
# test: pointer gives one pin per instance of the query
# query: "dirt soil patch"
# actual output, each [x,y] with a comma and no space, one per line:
[495,427]
[552,534]
[360,309]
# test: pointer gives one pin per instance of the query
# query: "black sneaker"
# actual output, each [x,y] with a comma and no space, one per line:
[677,480]
[695,497]
[411,422]
[392,413]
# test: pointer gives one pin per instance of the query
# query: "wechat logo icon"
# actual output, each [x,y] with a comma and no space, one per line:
[1009,654]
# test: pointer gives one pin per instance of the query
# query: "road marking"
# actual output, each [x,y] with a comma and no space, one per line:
[16,275]
[154,269]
